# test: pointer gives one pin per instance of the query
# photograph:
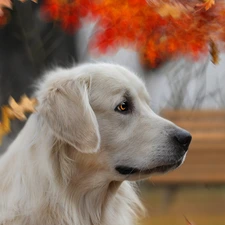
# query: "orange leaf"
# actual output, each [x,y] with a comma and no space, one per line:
[28,104]
[170,10]
[214,52]
[16,110]
[207,4]
[4,4]
[1,133]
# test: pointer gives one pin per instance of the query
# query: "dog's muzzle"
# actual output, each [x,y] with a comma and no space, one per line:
[125,170]
[179,138]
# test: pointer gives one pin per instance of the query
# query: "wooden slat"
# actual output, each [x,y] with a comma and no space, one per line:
[198,178]
[206,158]
[191,125]
[208,136]
[195,173]
[197,114]
[199,167]
[205,162]
[202,146]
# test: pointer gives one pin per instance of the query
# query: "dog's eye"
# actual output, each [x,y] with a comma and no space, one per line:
[122,107]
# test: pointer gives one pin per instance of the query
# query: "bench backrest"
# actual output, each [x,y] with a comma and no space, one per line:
[205,161]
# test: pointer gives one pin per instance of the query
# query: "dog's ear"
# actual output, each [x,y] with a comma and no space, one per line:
[65,107]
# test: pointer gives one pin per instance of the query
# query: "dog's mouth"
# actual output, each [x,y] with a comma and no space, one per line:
[125,170]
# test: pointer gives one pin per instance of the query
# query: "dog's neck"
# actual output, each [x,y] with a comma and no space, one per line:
[49,190]
[91,194]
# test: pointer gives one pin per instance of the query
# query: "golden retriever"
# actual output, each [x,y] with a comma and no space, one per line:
[73,162]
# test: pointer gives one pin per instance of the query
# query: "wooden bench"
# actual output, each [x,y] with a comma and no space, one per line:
[205,161]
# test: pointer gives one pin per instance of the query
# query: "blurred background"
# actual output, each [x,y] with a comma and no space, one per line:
[189,92]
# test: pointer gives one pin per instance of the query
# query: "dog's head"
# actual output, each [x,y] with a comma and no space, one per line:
[103,112]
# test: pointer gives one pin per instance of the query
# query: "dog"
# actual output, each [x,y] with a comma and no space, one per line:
[76,158]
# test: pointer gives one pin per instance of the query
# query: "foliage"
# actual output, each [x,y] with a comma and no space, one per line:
[15,111]
[161,29]
[158,29]
[4,14]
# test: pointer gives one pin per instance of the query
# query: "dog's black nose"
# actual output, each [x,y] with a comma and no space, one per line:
[183,137]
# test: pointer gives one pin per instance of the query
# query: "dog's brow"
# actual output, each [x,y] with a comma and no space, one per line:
[142,93]
[127,94]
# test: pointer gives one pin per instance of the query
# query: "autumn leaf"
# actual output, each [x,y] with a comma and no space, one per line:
[207,4]
[28,104]
[15,111]
[35,1]
[5,125]
[5,4]
[143,24]
[170,10]
[1,133]
[25,105]
[214,52]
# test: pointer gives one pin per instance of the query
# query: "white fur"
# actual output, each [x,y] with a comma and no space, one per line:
[60,170]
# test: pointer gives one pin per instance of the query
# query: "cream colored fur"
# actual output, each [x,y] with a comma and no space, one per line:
[60,170]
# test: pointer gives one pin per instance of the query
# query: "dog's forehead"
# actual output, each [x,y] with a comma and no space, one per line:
[114,79]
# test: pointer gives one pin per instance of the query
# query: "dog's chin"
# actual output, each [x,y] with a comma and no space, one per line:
[132,172]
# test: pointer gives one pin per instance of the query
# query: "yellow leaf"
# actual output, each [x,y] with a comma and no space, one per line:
[16,110]
[6,116]
[1,133]
[5,125]
[28,104]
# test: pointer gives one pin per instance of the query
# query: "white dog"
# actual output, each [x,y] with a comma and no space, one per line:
[93,133]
